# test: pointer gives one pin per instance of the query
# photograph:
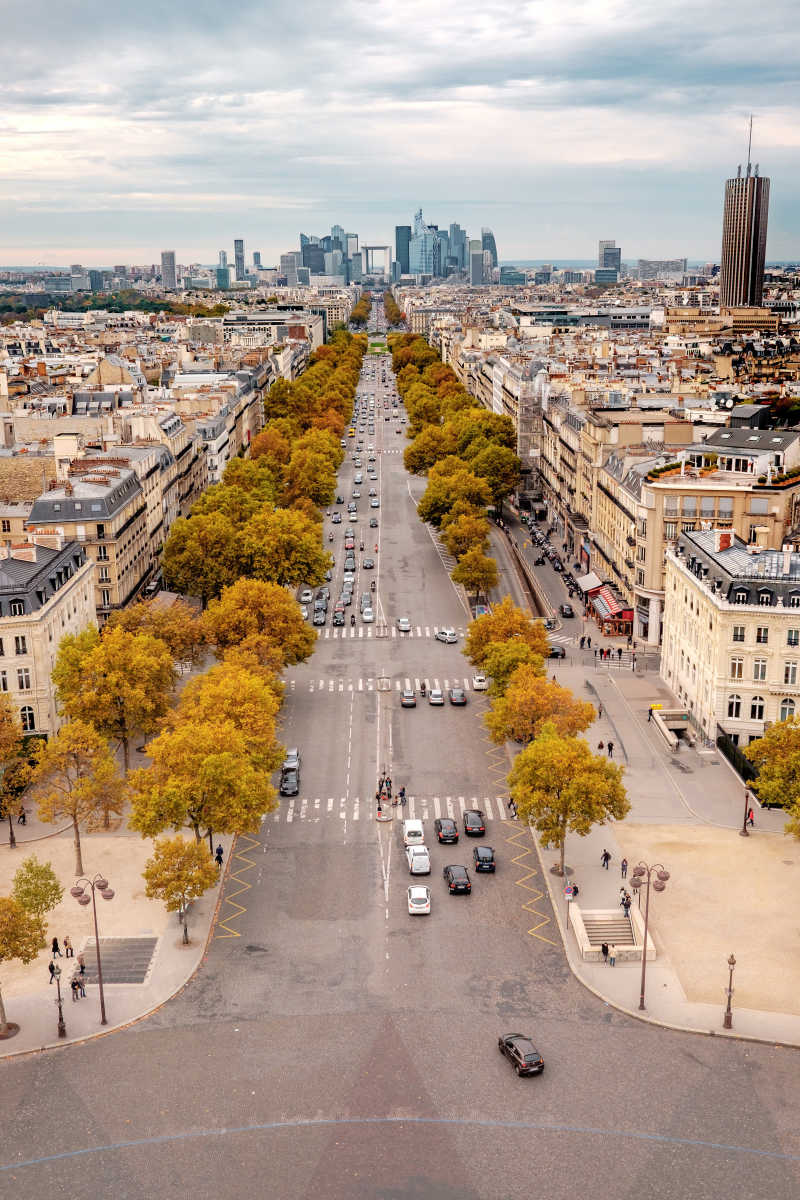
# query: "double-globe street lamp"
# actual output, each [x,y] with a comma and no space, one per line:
[98,884]
[727,1020]
[62,1029]
[643,874]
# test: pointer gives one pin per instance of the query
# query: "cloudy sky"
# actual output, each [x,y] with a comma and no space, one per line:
[127,128]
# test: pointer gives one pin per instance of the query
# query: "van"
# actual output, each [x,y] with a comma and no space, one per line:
[413,833]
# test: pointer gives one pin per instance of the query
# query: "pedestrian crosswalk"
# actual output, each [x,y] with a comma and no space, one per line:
[355,808]
[366,631]
[337,683]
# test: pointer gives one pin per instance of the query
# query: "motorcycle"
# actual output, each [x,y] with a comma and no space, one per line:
[330,537]
[372,586]
[352,618]
[422,689]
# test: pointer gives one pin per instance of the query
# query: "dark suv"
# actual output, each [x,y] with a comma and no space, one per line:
[290,781]
[457,879]
[474,824]
[446,829]
[483,858]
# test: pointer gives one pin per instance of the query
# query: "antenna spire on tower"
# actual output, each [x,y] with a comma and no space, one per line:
[749,142]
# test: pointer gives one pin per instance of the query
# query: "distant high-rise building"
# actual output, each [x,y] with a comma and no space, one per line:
[223,275]
[458,246]
[422,249]
[313,258]
[606,275]
[488,267]
[356,267]
[257,259]
[609,255]
[744,240]
[475,263]
[96,281]
[338,236]
[352,244]
[223,258]
[168,277]
[661,268]
[488,243]
[238,259]
[402,241]
[289,264]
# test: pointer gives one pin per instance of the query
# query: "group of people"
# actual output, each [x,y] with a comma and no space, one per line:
[609,746]
[384,793]
[77,983]
[586,642]
[625,900]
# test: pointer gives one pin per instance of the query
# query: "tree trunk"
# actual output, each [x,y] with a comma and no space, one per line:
[78,856]
[12,841]
[125,752]
[563,849]
[3,1018]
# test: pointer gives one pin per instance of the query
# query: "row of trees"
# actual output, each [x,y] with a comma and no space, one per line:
[394,314]
[558,784]
[361,312]
[35,891]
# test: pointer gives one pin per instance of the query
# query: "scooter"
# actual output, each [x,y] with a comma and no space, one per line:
[372,586]
[422,689]
[330,537]
[352,618]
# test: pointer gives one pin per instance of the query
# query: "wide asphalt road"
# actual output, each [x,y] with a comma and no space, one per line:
[333,1046]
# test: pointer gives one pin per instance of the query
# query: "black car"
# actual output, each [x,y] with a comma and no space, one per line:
[483,858]
[340,499]
[521,1053]
[446,829]
[290,782]
[474,823]
[457,879]
[556,652]
[566,610]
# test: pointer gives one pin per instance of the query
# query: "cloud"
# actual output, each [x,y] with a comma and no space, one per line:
[250,116]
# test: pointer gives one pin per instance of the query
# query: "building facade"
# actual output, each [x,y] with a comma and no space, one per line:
[169,278]
[744,240]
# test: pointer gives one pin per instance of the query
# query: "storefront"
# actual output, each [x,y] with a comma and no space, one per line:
[608,609]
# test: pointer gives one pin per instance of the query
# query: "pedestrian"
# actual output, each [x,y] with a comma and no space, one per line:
[601,746]
[55,948]
[82,986]
[510,804]
[623,866]
[634,647]
[582,641]
[576,891]
[622,895]
[68,951]
[389,788]
[610,749]
[22,817]
[605,858]
[81,962]
[381,782]
[750,818]
[599,710]
[218,857]
[612,955]
[619,653]
[633,662]
[626,904]
[604,952]
[595,654]
[650,713]
[629,641]
[589,644]
[513,808]
[74,985]
[51,966]
[401,795]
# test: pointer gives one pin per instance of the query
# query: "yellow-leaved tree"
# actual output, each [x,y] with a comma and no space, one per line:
[476,572]
[202,555]
[263,619]
[530,701]
[21,937]
[179,871]
[777,756]
[504,622]
[176,626]
[284,546]
[228,692]
[13,768]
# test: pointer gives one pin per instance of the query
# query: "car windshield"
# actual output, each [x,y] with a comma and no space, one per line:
[419,899]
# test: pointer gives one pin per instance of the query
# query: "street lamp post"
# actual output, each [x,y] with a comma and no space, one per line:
[62,1029]
[98,884]
[744,832]
[642,874]
[727,1020]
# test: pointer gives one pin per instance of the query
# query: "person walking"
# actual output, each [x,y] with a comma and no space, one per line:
[650,713]
[381,782]
[621,896]
[81,959]
[623,866]
[22,816]
[605,858]
[388,787]
[604,952]
[610,749]
[626,903]
[68,951]
[595,655]
[619,653]
[81,986]
[51,966]
[218,858]
[612,955]
[402,796]
[55,948]
[582,641]
[599,711]
[589,644]
[750,818]
[601,746]
[73,983]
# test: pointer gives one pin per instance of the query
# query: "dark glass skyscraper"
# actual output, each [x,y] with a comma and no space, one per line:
[744,240]
[238,258]
[488,243]
[402,240]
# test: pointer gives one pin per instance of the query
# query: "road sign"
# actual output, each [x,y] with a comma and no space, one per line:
[569,891]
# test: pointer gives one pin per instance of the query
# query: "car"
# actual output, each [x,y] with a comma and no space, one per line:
[419,900]
[474,823]
[352,507]
[403,625]
[566,610]
[368,564]
[558,565]
[436,696]
[521,1053]
[290,782]
[324,592]
[458,696]
[368,616]
[348,577]
[306,596]
[373,491]
[372,475]
[457,879]
[446,829]
[479,683]
[356,494]
[358,478]
[345,598]
[371,458]
[304,611]
[357,463]
[336,518]
[350,563]
[539,562]
[551,623]
[321,605]
[408,698]
[373,522]
[154,586]
[319,616]
[556,652]
[483,858]
[365,601]
[291,760]
[374,502]
[338,617]
[446,635]
[419,860]
[340,499]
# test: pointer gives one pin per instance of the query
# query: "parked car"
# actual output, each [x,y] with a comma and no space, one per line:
[521,1053]
[290,781]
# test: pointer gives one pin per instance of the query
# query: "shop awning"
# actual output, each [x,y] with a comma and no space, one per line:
[606,603]
[588,583]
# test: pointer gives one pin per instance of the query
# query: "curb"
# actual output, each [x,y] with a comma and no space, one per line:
[635,1013]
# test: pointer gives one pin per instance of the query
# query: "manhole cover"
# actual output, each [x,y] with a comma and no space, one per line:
[124,960]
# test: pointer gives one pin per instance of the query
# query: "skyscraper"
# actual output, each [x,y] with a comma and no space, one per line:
[223,258]
[421,250]
[488,243]
[238,258]
[257,259]
[744,239]
[402,239]
[609,255]
[168,276]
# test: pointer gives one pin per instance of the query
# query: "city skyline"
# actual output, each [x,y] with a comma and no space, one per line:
[565,125]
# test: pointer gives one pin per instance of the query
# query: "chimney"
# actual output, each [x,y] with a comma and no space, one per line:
[723,540]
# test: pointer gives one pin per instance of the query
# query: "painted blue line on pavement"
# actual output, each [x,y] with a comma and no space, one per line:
[322,1123]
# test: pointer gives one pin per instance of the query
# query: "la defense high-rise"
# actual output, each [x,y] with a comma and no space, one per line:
[744,240]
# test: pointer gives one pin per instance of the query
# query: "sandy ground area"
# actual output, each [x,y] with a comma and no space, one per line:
[726,894]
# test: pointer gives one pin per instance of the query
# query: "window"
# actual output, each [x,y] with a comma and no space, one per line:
[787,709]
[757,708]
[105,598]
[765,599]
[740,596]
[16,608]
[23,679]
[734,705]
[101,532]
[689,506]
[2,651]
[759,669]
[790,672]
[670,530]
[6,526]
[762,635]
[102,553]
[738,633]
[20,644]
[737,668]
[793,637]
[104,575]
[794,600]
[3,681]
[759,505]
[27,719]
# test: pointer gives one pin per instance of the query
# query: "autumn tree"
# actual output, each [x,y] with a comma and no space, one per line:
[559,786]
[262,617]
[468,531]
[504,622]
[431,444]
[176,625]
[501,469]
[121,685]
[228,692]
[36,887]
[443,492]
[21,937]
[202,555]
[777,757]
[75,777]
[283,546]
[13,772]
[530,701]
[502,659]
[476,572]
[271,449]
[180,871]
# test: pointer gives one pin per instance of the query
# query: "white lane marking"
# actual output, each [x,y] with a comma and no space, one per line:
[303,807]
[330,803]
[437,808]
[450,808]
[290,813]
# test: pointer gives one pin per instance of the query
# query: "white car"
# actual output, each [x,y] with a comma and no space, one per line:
[403,625]
[419,900]
[367,616]
[436,696]
[419,860]
[446,635]
[306,596]
[479,683]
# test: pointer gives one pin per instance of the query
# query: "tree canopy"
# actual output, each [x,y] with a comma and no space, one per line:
[504,622]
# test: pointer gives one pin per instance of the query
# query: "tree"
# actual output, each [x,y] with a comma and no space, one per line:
[777,756]
[12,770]
[121,686]
[476,572]
[443,492]
[431,444]
[228,692]
[504,622]
[501,469]
[201,555]
[310,474]
[530,702]
[464,533]
[176,626]
[560,787]
[502,659]
[261,617]
[21,937]
[201,777]
[284,546]
[272,449]
[179,871]
[36,887]
[75,776]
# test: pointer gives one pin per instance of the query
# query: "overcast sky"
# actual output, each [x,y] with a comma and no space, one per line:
[128,128]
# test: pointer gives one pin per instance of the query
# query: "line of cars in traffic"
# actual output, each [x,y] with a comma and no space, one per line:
[455,875]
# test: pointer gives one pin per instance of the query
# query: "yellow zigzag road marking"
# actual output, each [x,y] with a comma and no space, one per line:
[538,894]
[245,887]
